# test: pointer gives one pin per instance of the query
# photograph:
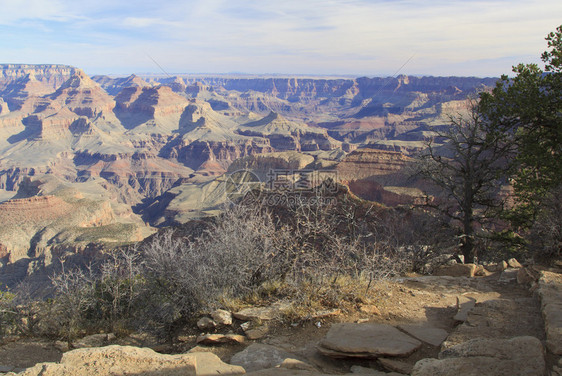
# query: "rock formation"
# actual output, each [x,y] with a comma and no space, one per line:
[160,145]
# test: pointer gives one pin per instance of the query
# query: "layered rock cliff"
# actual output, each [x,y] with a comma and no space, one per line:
[161,145]
[52,74]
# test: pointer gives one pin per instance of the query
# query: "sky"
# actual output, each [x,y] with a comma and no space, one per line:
[311,37]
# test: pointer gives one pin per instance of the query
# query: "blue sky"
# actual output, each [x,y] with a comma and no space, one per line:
[351,37]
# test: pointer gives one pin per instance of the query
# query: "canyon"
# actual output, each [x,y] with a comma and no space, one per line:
[106,160]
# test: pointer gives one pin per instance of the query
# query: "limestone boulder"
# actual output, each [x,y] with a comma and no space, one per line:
[128,360]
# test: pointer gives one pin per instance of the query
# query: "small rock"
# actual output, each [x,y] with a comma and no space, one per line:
[290,363]
[513,263]
[257,333]
[206,323]
[502,266]
[456,270]
[222,317]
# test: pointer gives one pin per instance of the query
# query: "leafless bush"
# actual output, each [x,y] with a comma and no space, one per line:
[318,251]
[239,251]
[74,296]
[119,285]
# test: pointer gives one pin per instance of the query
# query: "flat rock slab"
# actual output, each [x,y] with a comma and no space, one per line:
[259,356]
[366,340]
[519,356]
[427,334]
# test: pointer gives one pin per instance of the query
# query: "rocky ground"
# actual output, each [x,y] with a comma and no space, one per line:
[500,323]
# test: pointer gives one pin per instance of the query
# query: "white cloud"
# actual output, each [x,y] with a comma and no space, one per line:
[314,36]
[13,11]
[148,22]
